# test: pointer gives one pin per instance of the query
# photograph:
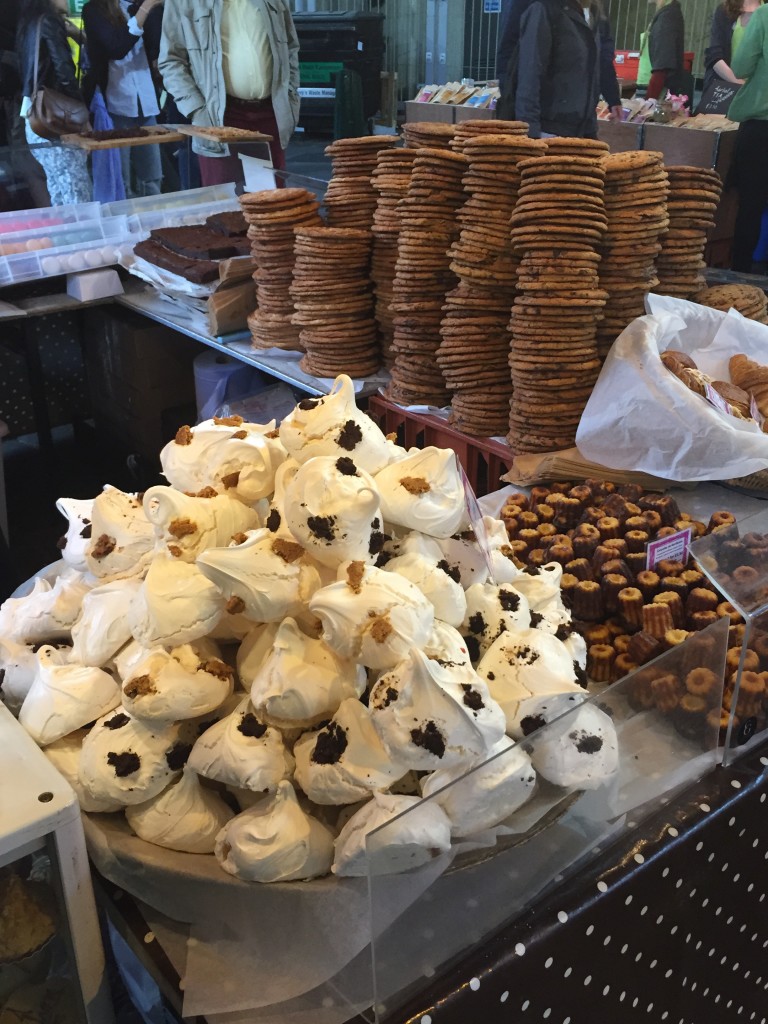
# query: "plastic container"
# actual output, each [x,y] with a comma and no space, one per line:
[220,378]
[150,220]
[16,221]
[170,201]
[74,247]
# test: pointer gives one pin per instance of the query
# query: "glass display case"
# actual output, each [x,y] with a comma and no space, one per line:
[588,777]
[735,558]
[51,955]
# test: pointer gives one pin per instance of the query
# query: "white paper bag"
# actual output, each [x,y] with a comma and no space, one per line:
[641,417]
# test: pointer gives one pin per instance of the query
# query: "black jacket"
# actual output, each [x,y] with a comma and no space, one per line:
[106,41]
[719,48]
[665,38]
[564,65]
[57,69]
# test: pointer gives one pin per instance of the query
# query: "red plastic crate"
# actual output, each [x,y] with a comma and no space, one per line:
[483,460]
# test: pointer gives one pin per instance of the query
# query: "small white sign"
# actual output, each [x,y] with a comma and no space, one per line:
[259,174]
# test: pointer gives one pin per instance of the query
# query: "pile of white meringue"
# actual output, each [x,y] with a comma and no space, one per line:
[302,625]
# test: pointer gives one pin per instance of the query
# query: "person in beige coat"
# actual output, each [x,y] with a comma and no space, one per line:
[233,63]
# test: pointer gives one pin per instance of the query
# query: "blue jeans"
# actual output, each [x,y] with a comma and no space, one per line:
[142,169]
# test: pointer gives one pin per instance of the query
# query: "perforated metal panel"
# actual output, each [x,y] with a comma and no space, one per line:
[63,372]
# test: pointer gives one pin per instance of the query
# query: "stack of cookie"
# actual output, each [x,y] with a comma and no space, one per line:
[471,129]
[636,207]
[557,227]
[694,194]
[334,302]
[748,300]
[428,134]
[568,146]
[350,199]
[428,227]
[271,217]
[390,180]
[474,349]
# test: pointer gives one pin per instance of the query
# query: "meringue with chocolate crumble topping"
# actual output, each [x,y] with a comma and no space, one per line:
[424,492]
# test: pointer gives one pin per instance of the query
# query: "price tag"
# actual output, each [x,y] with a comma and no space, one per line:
[717,400]
[675,547]
[476,519]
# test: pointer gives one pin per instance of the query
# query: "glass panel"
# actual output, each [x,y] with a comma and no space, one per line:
[735,558]
[600,769]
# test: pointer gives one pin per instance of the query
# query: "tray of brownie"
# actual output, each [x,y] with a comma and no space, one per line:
[119,137]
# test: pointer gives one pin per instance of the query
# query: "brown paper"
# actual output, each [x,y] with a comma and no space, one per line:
[230,305]
[569,464]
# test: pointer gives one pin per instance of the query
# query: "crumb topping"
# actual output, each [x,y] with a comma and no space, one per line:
[391,437]
[322,527]
[330,745]
[536,619]
[179,528]
[184,435]
[231,479]
[217,667]
[178,756]
[350,436]
[415,484]
[139,687]
[272,434]
[346,466]
[381,629]
[477,623]
[288,550]
[235,605]
[117,722]
[87,530]
[175,550]
[509,601]
[450,570]
[355,573]
[472,698]
[206,492]
[238,435]
[306,404]
[586,743]
[429,738]
[240,538]
[531,723]
[273,521]
[251,726]
[104,546]
[526,655]
[125,763]
[228,421]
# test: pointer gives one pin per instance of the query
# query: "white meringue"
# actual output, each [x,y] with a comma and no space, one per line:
[496,539]
[122,538]
[303,680]
[18,668]
[274,517]
[542,591]
[332,509]
[186,525]
[47,612]
[431,715]
[65,697]
[529,663]
[254,650]
[464,556]
[421,561]
[424,492]
[129,761]
[241,751]
[333,425]
[268,577]
[175,604]
[446,644]
[77,539]
[372,616]
[577,750]
[64,755]
[411,840]
[346,761]
[491,609]
[170,686]
[275,841]
[102,627]
[482,798]
[227,454]
[185,816]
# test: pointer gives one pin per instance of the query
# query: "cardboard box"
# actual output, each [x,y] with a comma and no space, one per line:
[429,112]
[621,136]
[691,146]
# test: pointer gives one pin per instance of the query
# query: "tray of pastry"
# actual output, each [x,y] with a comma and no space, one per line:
[223,133]
[120,137]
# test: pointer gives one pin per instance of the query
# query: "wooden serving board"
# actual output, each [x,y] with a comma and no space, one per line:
[224,134]
[157,133]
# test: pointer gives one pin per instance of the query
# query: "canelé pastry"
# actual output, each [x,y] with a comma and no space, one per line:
[657,619]
[600,658]
[631,601]
[588,601]
[675,605]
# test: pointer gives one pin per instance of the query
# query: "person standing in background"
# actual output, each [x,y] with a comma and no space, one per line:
[122,41]
[564,63]
[665,45]
[233,63]
[729,23]
[66,168]
[750,157]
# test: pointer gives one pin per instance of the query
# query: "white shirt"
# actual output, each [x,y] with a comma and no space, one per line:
[130,90]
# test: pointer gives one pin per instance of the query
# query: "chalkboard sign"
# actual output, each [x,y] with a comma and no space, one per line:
[717,97]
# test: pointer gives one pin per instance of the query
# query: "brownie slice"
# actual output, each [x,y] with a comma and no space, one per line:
[200,243]
[194,270]
[232,224]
